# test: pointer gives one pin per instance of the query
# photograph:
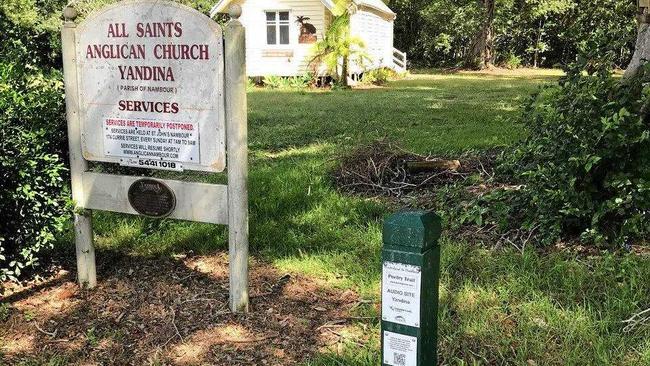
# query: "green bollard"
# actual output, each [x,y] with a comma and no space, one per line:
[409,291]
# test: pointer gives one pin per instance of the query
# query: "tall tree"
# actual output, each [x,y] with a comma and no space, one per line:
[480,53]
[642,50]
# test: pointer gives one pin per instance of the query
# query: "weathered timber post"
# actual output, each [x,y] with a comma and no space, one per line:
[86,271]
[410,278]
[237,142]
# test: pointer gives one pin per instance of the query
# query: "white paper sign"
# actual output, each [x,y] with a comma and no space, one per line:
[400,294]
[149,139]
[154,66]
[400,349]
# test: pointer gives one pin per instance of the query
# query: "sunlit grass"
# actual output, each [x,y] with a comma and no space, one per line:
[424,113]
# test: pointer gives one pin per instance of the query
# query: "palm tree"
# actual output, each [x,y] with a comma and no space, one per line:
[338,47]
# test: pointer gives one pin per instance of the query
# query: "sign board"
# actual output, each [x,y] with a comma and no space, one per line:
[149,83]
[151,87]
[400,292]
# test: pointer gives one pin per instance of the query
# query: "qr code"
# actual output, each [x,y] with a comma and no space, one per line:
[399,359]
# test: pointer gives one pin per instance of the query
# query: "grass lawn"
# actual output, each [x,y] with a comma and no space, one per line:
[497,306]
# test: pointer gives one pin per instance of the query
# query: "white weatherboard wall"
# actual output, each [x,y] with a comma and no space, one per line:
[376,30]
[281,60]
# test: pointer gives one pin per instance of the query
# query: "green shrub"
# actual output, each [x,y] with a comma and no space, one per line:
[32,174]
[294,82]
[273,81]
[301,82]
[31,32]
[379,76]
[512,61]
[250,84]
[583,170]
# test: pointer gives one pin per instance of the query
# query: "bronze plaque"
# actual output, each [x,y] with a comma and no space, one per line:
[152,198]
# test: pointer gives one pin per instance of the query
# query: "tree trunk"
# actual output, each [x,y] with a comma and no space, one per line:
[344,71]
[480,54]
[641,51]
[539,41]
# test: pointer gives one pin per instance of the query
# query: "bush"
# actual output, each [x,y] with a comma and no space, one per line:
[273,82]
[31,32]
[583,170]
[294,82]
[32,174]
[301,82]
[512,61]
[378,76]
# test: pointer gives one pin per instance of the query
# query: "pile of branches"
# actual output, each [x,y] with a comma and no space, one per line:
[384,169]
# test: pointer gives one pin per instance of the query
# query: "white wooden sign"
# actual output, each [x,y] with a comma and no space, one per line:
[151,87]
[149,83]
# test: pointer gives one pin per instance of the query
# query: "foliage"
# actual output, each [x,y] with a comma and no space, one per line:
[583,170]
[33,140]
[293,82]
[378,76]
[512,61]
[32,171]
[540,33]
[274,81]
[301,82]
[338,48]
[32,32]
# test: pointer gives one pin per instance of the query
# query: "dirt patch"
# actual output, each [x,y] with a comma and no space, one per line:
[170,312]
[384,169]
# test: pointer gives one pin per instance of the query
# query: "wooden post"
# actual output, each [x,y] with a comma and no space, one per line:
[409,289]
[237,154]
[86,271]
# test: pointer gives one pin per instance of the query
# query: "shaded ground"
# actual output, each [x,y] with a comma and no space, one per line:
[166,311]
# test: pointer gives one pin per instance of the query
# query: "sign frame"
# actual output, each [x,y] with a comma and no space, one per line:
[211,203]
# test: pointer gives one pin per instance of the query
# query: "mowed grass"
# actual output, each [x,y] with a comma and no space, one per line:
[498,306]
[437,113]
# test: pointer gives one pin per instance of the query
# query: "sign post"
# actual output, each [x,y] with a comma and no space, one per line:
[83,230]
[410,278]
[155,84]
[236,115]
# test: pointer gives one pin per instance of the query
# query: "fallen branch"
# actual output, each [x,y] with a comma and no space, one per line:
[432,165]
[253,340]
[51,334]
[382,169]
[177,333]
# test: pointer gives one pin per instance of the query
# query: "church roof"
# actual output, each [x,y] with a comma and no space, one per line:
[220,6]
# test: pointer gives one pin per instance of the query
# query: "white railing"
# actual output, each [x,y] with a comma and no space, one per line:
[399,60]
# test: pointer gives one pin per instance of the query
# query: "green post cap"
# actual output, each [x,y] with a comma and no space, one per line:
[412,230]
